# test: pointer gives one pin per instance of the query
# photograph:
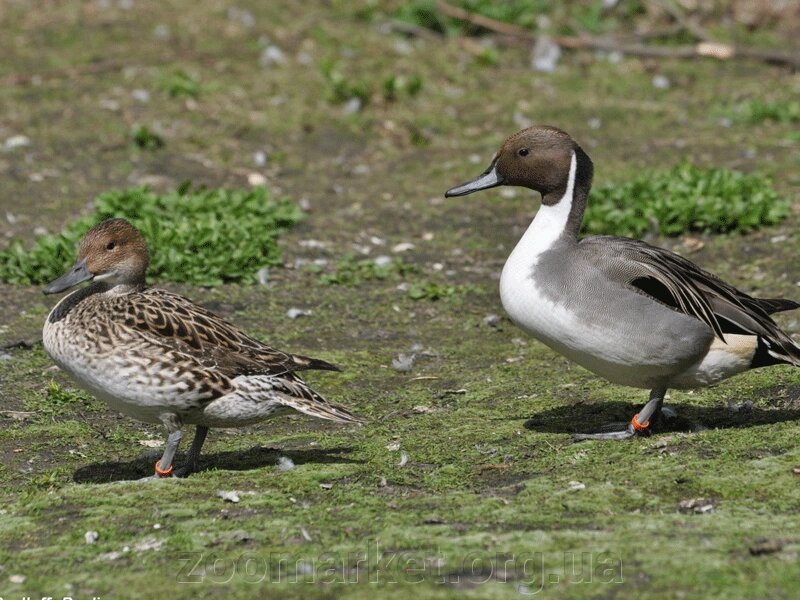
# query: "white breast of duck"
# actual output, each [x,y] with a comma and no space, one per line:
[92,348]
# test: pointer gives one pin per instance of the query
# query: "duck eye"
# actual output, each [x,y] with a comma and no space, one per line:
[110,245]
[523,151]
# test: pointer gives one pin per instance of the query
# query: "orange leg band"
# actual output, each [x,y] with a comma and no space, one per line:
[639,426]
[163,472]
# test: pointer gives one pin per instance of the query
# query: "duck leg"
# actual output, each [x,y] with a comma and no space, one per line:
[164,465]
[193,456]
[640,423]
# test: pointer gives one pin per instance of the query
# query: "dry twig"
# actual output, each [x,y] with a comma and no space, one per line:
[704,49]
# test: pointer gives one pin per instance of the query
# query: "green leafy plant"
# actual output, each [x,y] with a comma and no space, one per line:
[430,290]
[342,88]
[351,272]
[686,198]
[54,400]
[758,111]
[146,138]
[180,84]
[395,85]
[201,236]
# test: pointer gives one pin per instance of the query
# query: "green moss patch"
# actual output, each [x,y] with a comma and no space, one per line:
[201,236]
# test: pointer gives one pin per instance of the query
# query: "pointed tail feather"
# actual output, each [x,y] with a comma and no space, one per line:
[304,362]
[295,393]
[770,353]
[774,305]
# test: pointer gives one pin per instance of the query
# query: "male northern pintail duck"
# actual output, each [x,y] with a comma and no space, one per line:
[633,313]
[159,358]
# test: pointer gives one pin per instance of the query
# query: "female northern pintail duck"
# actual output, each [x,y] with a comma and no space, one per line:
[635,314]
[159,358]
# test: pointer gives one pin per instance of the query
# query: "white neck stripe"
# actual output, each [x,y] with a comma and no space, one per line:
[548,225]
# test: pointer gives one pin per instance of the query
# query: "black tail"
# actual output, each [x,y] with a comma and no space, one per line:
[774,305]
[303,363]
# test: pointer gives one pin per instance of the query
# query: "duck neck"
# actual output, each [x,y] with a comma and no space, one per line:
[73,299]
[560,216]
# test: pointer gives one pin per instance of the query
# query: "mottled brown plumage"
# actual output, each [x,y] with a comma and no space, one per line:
[158,357]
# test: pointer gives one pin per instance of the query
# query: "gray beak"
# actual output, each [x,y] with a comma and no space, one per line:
[488,179]
[77,274]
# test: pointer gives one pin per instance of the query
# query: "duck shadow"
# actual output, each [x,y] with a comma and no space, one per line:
[591,418]
[237,460]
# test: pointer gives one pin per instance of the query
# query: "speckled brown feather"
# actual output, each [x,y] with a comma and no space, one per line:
[211,340]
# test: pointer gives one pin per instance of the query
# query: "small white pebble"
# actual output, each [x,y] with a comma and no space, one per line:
[294,313]
[108,104]
[156,525]
[91,537]
[382,260]
[576,485]
[403,362]
[260,158]
[17,578]
[661,82]
[403,459]
[492,320]
[352,106]
[256,179]
[402,247]
[17,141]
[242,16]
[228,496]
[545,54]
[151,443]
[313,244]
[285,463]
[270,56]
[162,31]
[393,446]
[140,95]
[263,276]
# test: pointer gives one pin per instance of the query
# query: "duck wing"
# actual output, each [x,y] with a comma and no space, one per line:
[176,322]
[680,284]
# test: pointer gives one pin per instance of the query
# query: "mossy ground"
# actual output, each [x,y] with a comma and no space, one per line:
[485,503]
